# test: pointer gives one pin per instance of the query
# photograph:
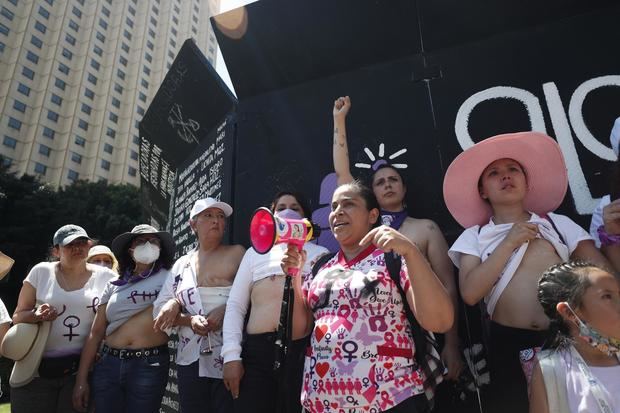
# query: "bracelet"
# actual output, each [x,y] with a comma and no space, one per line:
[607,239]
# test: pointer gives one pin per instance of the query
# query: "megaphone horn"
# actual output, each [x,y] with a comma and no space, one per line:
[266,230]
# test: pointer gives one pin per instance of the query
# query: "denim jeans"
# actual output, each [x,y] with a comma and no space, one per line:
[44,395]
[133,385]
[201,394]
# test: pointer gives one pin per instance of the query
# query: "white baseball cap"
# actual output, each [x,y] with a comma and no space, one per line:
[206,203]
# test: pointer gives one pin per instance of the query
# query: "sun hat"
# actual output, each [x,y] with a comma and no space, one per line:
[6,263]
[121,242]
[102,250]
[68,233]
[24,343]
[539,155]
[206,203]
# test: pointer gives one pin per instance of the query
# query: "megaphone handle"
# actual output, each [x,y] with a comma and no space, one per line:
[293,272]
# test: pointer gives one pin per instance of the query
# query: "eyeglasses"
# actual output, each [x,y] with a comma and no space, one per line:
[141,241]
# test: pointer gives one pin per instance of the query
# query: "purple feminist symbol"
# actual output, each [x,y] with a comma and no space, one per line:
[71,322]
[94,305]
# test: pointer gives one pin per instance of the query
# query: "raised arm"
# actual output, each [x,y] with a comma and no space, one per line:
[340,148]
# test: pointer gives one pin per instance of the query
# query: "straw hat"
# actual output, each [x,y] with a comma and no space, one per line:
[6,263]
[24,343]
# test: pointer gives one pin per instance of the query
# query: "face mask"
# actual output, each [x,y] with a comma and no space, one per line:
[288,214]
[606,345]
[146,253]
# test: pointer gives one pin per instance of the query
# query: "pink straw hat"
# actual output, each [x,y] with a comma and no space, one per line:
[539,155]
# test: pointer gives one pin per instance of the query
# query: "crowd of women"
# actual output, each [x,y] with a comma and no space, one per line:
[91,328]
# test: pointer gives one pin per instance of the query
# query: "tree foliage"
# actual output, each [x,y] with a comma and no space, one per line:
[30,213]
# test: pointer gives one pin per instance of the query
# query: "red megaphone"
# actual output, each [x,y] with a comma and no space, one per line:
[266,230]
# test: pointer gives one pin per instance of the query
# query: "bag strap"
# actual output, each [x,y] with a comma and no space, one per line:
[555,228]
[557,396]
[321,261]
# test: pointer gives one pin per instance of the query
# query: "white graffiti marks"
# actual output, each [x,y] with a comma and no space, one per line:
[185,128]
[560,123]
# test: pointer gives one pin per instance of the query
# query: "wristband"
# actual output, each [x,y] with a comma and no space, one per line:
[607,239]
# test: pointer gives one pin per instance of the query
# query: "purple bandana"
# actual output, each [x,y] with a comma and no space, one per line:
[393,219]
[128,278]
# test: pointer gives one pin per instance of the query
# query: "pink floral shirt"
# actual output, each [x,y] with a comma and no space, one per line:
[361,350]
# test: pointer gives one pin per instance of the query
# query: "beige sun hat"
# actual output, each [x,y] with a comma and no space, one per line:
[6,263]
[24,343]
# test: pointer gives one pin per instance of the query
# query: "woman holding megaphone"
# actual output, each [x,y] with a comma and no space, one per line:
[256,297]
[362,352]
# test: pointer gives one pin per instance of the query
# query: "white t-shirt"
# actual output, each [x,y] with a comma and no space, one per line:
[597,219]
[76,309]
[254,267]
[4,314]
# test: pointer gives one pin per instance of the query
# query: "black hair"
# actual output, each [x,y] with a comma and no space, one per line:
[126,262]
[299,197]
[384,166]
[564,282]
[367,195]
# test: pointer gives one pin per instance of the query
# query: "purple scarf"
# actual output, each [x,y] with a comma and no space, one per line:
[393,219]
[128,278]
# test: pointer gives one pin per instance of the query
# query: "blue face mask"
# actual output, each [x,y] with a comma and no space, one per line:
[606,345]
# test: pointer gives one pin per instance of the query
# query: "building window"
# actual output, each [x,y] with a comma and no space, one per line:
[76,157]
[23,89]
[67,53]
[82,124]
[125,47]
[105,164]
[136,139]
[142,96]
[150,45]
[98,51]
[40,26]
[80,141]
[175,20]
[116,103]
[19,106]
[89,93]
[194,30]
[44,150]
[170,54]
[53,116]
[60,84]
[146,70]
[70,39]
[36,41]
[113,117]
[77,12]
[173,31]
[131,10]
[140,111]
[10,142]
[39,168]
[73,25]
[103,24]
[72,175]
[136,124]
[48,132]
[111,133]
[152,33]
[122,60]
[43,12]
[86,109]
[144,83]
[148,57]
[100,37]
[129,22]
[63,68]
[95,64]
[7,13]
[108,148]
[14,123]
[118,88]
[50,2]
[105,11]
[2,46]
[176,9]
[92,79]
[120,74]
[131,171]
[32,57]
[133,155]
[56,99]
[127,35]
[4,29]
[29,73]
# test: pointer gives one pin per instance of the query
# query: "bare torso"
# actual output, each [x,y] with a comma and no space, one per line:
[518,305]
[417,231]
[137,332]
[266,302]
[217,268]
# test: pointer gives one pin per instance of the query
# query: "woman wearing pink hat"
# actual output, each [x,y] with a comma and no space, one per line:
[503,190]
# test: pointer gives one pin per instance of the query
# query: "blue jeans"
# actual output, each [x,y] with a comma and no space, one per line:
[201,394]
[133,385]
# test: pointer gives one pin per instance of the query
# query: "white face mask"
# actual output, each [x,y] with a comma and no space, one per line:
[146,253]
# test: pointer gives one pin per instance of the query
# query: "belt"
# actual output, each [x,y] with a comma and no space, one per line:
[127,353]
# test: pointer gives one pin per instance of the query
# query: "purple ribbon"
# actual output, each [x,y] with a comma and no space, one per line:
[393,219]
[129,278]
